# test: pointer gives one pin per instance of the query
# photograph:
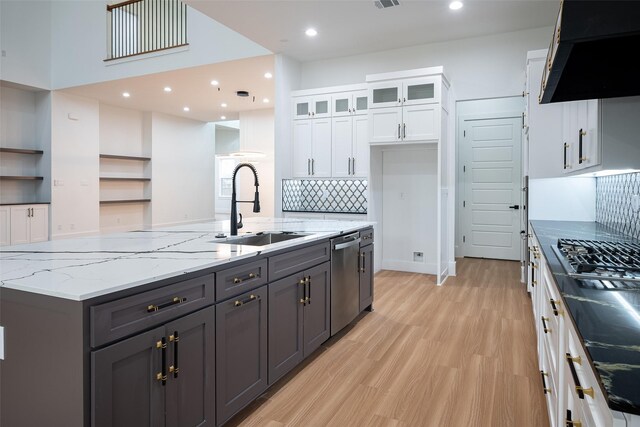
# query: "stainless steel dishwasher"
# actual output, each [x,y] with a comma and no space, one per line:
[345,280]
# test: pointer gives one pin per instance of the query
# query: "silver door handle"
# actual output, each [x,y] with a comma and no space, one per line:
[404,130]
[398,130]
[313,166]
[308,166]
[340,246]
[353,165]
[349,165]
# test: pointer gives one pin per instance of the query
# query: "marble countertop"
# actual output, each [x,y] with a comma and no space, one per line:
[607,321]
[87,267]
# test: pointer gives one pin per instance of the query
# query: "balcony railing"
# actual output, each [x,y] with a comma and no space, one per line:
[143,26]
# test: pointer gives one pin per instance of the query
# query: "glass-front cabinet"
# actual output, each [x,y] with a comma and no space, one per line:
[350,103]
[421,90]
[311,107]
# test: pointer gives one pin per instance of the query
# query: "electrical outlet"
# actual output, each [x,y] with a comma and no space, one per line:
[418,257]
[635,203]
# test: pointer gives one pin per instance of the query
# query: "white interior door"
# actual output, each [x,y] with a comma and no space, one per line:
[492,175]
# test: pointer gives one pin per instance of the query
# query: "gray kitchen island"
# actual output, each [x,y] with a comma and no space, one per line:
[170,326]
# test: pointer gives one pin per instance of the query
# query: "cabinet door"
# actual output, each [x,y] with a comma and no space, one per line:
[588,132]
[321,148]
[360,102]
[570,130]
[341,143]
[366,276]
[422,90]
[20,224]
[385,125]
[285,325]
[302,107]
[321,106]
[190,391]
[39,227]
[316,310]
[421,123]
[241,352]
[360,147]
[124,388]
[385,94]
[302,137]
[5,225]
[342,104]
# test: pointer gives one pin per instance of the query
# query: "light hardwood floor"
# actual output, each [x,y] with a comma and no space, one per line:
[463,354]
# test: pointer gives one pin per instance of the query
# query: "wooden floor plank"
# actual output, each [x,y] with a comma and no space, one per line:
[462,354]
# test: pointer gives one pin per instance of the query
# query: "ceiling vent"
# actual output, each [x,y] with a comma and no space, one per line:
[383,4]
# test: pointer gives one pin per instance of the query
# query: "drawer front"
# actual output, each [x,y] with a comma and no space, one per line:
[550,388]
[240,279]
[595,409]
[297,260]
[366,237]
[123,317]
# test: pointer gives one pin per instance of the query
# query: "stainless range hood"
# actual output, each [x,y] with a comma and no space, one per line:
[593,51]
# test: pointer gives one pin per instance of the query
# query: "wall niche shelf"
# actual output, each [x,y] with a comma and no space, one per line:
[123,178]
[120,157]
[114,202]
[21,178]
[20,150]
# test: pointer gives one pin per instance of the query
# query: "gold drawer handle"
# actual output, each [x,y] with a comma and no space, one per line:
[576,359]
[175,300]
[237,280]
[570,423]
[239,303]
[588,391]
[534,265]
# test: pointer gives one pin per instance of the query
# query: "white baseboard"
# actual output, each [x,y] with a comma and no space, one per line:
[410,267]
[452,268]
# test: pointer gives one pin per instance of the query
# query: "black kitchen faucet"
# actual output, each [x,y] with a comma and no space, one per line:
[256,199]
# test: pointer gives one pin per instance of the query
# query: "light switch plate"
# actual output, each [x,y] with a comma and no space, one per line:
[1,342]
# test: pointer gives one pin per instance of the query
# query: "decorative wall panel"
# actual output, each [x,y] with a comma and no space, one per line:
[324,195]
[614,203]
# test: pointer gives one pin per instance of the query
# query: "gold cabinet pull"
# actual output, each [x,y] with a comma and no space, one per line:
[175,300]
[588,391]
[574,359]
[544,325]
[239,303]
[545,389]
[570,423]
[237,280]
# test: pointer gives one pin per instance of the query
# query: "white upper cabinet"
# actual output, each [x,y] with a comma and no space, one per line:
[385,94]
[312,107]
[543,125]
[312,148]
[407,107]
[350,146]
[350,103]
[421,90]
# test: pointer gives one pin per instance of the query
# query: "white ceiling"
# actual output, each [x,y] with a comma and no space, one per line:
[192,87]
[349,27]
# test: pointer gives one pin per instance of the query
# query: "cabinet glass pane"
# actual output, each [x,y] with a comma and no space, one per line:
[342,105]
[361,103]
[424,91]
[387,94]
[322,107]
[302,109]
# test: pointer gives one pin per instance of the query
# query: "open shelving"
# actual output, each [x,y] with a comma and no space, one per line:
[114,202]
[122,157]
[20,150]
[123,178]
[21,178]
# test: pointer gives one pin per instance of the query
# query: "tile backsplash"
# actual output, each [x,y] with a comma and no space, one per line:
[324,195]
[614,205]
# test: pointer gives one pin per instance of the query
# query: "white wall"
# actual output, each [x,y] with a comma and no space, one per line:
[257,134]
[287,72]
[481,67]
[227,140]
[79,46]
[25,40]
[562,199]
[74,165]
[183,178]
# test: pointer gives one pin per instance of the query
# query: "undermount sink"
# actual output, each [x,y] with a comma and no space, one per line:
[261,239]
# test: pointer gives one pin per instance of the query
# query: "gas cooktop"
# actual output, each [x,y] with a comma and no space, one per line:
[599,260]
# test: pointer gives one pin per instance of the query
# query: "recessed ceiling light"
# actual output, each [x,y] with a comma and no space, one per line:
[223,117]
[268,75]
[167,89]
[126,94]
[186,109]
[265,100]
[311,32]
[214,83]
[223,105]
[455,5]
